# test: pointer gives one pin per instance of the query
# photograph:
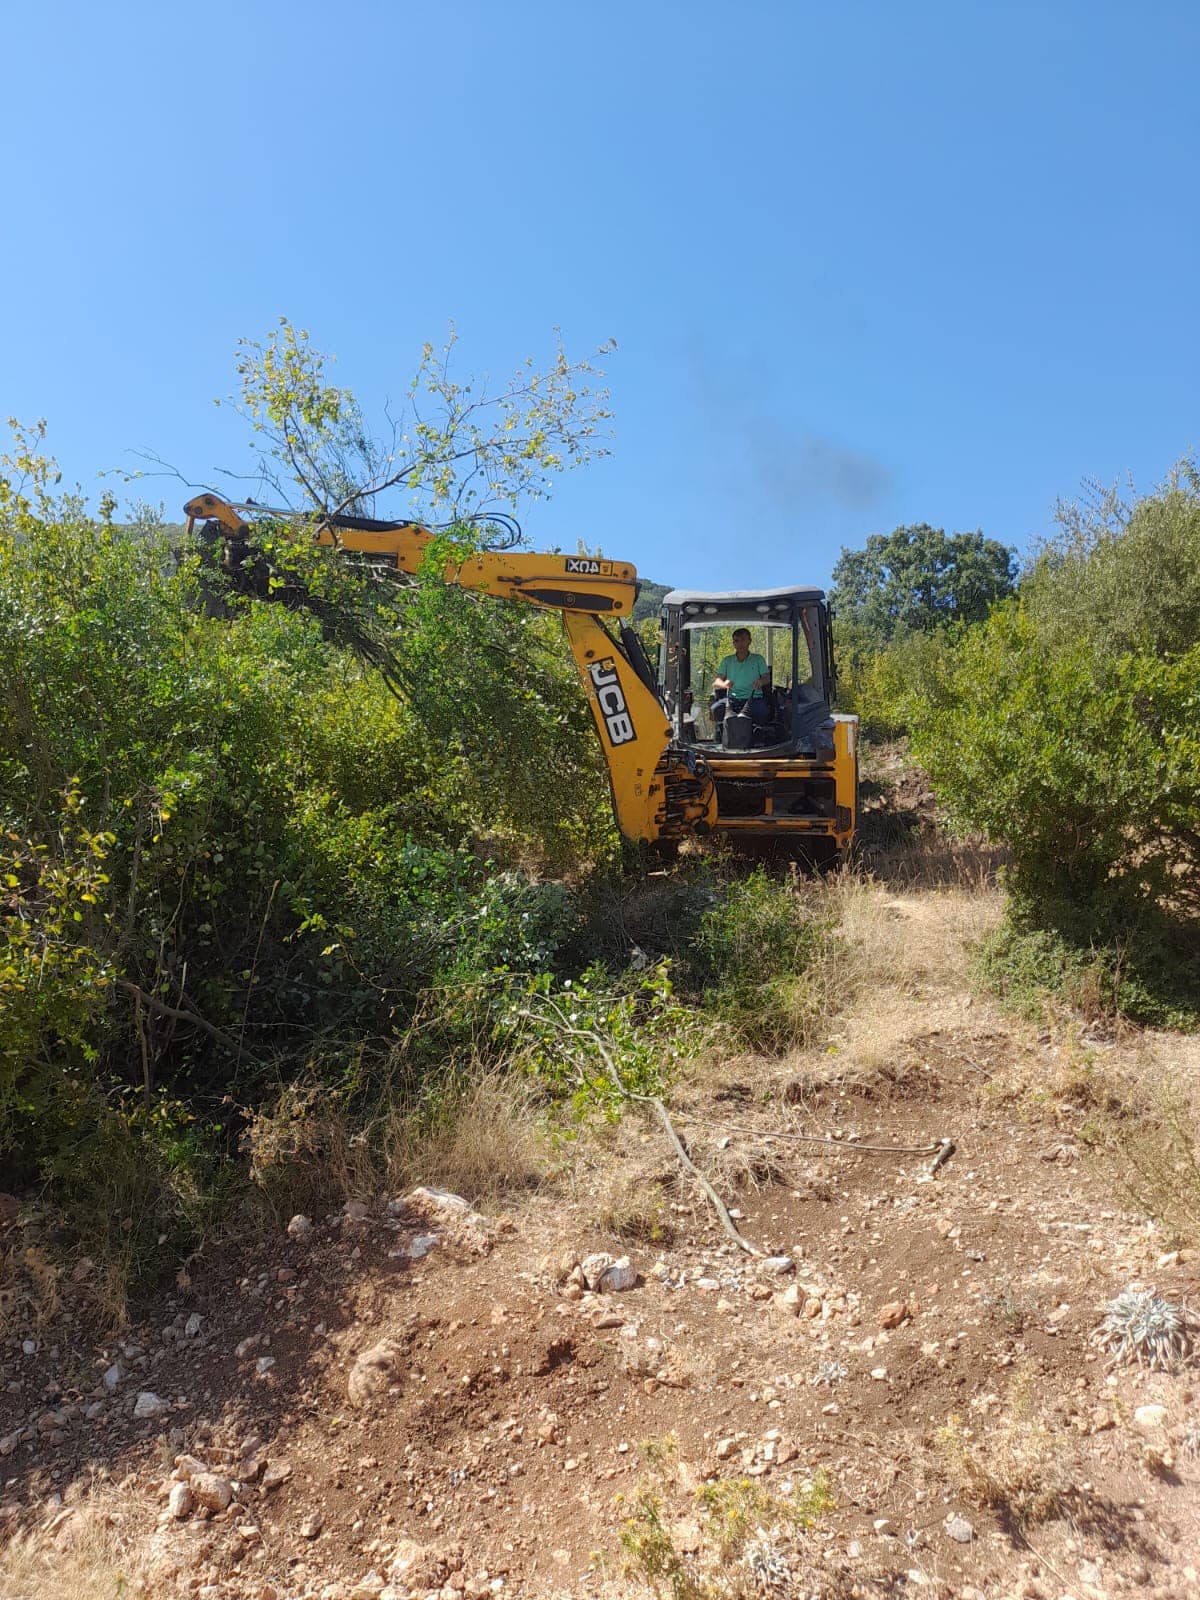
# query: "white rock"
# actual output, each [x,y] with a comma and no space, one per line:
[181,1500]
[959,1529]
[594,1267]
[210,1490]
[277,1472]
[1152,1416]
[421,1246]
[300,1229]
[879,1374]
[192,1326]
[779,1264]
[148,1404]
[263,1365]
[113,1376]
[425,1201]
[243,1348]
[619,1277]
[29,1348]
[311,1526]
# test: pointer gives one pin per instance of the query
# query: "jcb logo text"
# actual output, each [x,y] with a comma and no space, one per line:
[611,700]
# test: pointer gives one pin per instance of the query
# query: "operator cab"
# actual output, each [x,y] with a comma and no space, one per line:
[790,629]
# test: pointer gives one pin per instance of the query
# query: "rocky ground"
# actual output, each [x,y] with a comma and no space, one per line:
[901,1395]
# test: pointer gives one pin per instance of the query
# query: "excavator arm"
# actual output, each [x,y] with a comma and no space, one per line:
[661,792]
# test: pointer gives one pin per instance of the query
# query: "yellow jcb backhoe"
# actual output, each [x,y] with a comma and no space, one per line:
[790,771]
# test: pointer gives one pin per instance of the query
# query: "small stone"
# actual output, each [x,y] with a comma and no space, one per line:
[180,1501]
[1152,1416]
[277,1472]
[374,1372]
[311,1526]
[353,1211]
[879,1374]
[893,1314]
[882,1526]
[210,1491]
[263,1365]
[29,1348]
[779,1264]
[959,1529]
[113,1376]
[594,1267]
[421,1246]
[192,1326]
[300,1229]
[147,1405]
[618,1277]
[661,1271]
[725,1448]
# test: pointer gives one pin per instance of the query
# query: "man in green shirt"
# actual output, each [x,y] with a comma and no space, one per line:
[740,681]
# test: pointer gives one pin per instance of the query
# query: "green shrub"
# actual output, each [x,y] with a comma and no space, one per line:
[880,687]
[1067,727]
[749,960]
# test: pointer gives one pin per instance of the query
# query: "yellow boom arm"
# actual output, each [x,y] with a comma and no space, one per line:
[660,792]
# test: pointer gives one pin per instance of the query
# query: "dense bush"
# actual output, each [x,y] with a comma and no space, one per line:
[224,839]
[1068,728]
[237,874]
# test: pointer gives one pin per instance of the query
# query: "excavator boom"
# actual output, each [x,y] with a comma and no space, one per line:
[661,791]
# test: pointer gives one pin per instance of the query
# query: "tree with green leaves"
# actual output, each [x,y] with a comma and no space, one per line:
[917,579]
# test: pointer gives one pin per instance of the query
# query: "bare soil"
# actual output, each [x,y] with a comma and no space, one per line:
[925,1356]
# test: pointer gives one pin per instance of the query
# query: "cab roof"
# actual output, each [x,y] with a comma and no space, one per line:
[739,597]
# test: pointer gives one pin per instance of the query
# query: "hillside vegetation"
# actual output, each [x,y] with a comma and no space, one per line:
[283,884]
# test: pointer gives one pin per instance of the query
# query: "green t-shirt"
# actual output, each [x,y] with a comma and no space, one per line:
[741,674]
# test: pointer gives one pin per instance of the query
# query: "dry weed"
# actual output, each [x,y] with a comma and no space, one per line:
[1019,1469]
[478,1137]
[928,858]
[89,1551]
[631,1206]
[30,1289]
[905,941]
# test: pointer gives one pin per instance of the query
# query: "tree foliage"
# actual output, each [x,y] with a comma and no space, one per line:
[455,447]
[917,579]
[1068,727]
[224,839]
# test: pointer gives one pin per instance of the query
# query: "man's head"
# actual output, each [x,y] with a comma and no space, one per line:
[741,643]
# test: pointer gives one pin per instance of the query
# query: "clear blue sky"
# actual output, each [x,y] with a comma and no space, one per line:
[866,263]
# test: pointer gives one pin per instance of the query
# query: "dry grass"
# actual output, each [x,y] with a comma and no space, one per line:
[1018,1469]
[479,1138]
[906,940]
[631,1206]
[899,961]
[90,1552]
[931,859]
[30,1289]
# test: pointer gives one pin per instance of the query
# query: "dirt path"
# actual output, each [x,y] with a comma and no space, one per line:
[910,1404]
